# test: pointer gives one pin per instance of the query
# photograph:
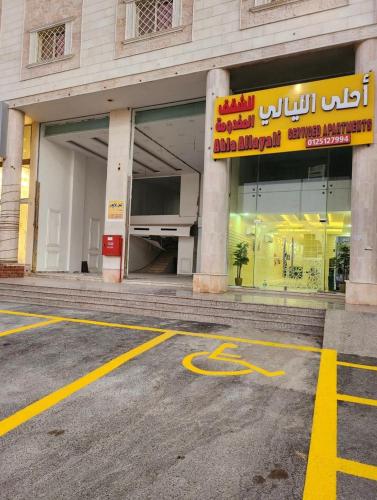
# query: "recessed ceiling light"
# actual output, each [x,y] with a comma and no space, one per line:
[110,100]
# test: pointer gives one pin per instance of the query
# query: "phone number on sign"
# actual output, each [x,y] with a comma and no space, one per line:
[328,141]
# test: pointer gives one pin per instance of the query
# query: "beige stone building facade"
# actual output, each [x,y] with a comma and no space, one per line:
[110,131]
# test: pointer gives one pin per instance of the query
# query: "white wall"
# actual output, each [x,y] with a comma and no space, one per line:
[76,212]
[199,239]
[71,209]
[189,195]
[94,214]
[216,34]
[189,207]
[185,255]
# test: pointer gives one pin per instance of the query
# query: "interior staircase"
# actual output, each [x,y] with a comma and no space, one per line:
[163,264]
[303,320]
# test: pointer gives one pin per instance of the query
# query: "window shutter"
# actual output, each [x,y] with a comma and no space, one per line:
[177,11]
[68,39]
[130,20]
[33,49]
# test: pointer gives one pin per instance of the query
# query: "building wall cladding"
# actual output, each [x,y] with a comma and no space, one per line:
[217,40]
[39,15]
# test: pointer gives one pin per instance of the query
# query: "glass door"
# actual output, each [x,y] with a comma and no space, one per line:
[289,252]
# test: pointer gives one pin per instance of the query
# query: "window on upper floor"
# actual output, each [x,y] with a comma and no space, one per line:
[257,3]
[153,16]
[50,44]
[51,37]
[260,12]
[149,17]
[146,25]
[260,3]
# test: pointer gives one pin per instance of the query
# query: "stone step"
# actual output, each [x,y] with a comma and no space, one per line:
[160,307]
[262,325]
[197,302]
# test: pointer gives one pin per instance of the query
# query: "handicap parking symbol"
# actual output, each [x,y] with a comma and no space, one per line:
[244,367]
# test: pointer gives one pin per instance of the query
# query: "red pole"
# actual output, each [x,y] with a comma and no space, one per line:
[121,260]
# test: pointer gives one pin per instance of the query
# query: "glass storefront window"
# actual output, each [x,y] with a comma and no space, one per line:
[24,211]
[25,181]
[26,143]
[294,211]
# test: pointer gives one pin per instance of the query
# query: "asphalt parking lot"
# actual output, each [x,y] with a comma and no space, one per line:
[97,406]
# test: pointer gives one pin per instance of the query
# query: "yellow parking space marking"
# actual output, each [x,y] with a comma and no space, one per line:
[355,365]
[54,398]
[357,469]
[86,321]
[219,355]
[354,399]
[266,343]
[20,313]
[29,327]
[320,483]
[323,463]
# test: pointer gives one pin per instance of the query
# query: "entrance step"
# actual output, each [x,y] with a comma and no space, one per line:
[301,320]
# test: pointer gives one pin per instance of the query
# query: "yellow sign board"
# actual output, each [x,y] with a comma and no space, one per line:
[323,113]
[115,209]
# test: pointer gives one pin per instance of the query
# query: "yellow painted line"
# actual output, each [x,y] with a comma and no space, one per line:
[18,313]
[355,399]
[357,469]
[87,321]
[355,365]
[175,332]
[249,341]
[29,327]
[54,398]
[320,483]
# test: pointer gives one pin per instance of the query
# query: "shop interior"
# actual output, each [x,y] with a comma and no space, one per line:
[293,211]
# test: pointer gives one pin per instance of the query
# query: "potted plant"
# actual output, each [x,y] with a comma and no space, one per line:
[343,263]
[240,259]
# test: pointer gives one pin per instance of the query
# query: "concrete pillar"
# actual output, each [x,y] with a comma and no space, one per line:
[119,171]
[213,276]
[362,285]
[11,186]
[32,226]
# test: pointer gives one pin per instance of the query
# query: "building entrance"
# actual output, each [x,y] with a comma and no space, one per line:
[72,177]
[294,213]
[166,172]
[162,255]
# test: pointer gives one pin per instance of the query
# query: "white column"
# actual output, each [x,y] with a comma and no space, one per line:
[362,286]
[11,188]
[213,277]
[31,222]
[119,171]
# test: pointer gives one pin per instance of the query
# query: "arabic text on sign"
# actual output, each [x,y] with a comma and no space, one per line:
[283,119]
